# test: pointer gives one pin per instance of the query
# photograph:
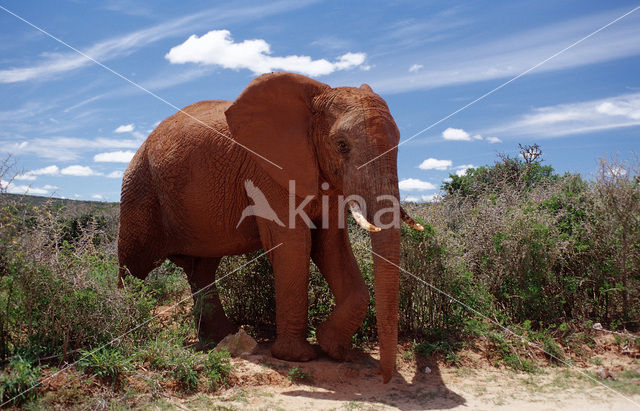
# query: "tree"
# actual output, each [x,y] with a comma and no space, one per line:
[508,171]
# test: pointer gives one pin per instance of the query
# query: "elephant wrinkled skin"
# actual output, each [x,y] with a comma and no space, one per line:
[183,197]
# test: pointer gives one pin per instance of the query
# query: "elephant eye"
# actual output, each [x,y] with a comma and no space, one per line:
[343,147]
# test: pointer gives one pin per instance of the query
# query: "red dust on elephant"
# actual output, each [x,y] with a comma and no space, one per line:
[300,144]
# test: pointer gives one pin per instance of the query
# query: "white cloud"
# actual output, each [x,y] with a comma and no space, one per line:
[576,118]
[411,199]
[218,48]
[462,170]
[435,164]
[456,134]
[114,157]
[78,171]
[414,184]
[46,171]
[477,137]
[415,68]
[50,187]
[493,140]
[115,174]
[97,196]
[125,128]
[10,187]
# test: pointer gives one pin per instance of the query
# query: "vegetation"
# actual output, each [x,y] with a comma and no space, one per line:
[514,256]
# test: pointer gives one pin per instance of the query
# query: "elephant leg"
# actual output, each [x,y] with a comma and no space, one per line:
[290,263]
[140,244]
[211,322]
[331,252]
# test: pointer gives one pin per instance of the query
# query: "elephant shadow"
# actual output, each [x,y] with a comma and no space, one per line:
[358,381]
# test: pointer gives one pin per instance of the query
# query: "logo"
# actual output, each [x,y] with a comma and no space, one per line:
[355,203]
[260,206]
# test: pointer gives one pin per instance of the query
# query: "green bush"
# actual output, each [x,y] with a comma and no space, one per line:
[57,298]
[248,295]
[183,364]
[167,282]
[19,376]
[185,369]
[108,364]
[295,374]
[217,367]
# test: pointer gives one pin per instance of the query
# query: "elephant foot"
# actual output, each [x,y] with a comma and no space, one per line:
[289,349]
[333,343]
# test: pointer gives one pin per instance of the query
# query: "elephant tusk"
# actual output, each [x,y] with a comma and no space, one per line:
[360,219]
[410,221]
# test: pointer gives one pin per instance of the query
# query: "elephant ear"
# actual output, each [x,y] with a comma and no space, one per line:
[272,117]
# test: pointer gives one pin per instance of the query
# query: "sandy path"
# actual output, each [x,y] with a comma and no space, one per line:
[262,382]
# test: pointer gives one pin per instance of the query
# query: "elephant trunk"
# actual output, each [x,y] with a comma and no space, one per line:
[383,208]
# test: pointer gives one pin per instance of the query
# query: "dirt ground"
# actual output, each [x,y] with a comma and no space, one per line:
[263,382]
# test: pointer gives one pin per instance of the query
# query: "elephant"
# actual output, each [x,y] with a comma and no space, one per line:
[303,145]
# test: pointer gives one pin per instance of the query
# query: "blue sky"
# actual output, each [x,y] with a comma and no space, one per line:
[72,125]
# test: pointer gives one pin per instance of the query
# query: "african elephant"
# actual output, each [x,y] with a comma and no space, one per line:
[185,190]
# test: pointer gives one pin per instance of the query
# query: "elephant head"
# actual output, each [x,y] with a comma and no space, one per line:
[315,133]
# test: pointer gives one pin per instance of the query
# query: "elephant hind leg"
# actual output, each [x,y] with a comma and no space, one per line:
[141,241]
[211,322]
[137,261]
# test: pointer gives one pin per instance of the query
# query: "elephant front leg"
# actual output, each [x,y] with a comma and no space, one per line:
[331,251]
[290,263]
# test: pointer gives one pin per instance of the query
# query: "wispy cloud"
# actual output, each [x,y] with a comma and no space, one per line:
[332,42]
[575,118]
[115,174]
[512,54]
[218,48]
[415,33]
[59,63]
[67,148]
